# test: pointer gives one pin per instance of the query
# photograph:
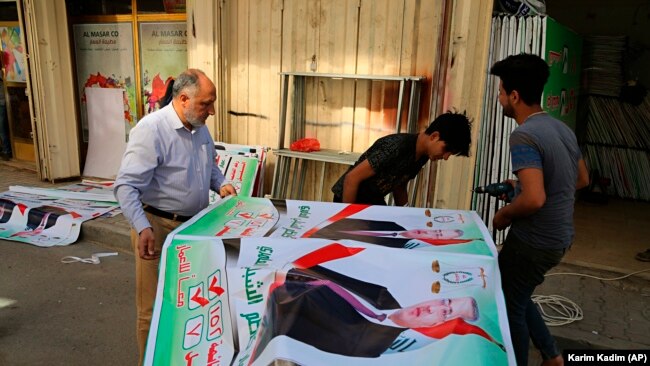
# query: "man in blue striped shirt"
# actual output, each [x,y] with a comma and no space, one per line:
[165,177]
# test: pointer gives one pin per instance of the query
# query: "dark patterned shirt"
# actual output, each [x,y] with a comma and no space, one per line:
[393,160]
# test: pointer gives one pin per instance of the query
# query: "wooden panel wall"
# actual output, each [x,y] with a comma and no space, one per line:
[251,36]
[260,38]
[467,70]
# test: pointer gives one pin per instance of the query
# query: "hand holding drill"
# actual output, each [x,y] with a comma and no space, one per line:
[504,190]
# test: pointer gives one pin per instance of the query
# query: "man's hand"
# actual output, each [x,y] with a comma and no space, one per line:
[146,245]
[513,182]
[530,199]
[501,221]
[400,195]
[353,180]
[227,190]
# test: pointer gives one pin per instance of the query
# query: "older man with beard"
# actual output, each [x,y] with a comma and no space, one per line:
[165,177]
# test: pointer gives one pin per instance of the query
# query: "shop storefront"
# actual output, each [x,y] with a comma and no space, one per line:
[78,50]
[244,46]
[15,125]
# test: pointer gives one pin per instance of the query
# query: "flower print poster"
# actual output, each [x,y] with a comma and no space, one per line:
[163,55]
[13,53]
[104,57]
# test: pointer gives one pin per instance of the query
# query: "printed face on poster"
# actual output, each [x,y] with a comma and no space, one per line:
[104,54]
[163,55]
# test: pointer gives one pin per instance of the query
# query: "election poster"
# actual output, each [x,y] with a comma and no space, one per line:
[191,322]
[233,217]
[163,56]
[85,190]
[46,221]
[291,294]
[325,302]
[243,167]
[239,170]
[192,319]
[397,227]
[104,58]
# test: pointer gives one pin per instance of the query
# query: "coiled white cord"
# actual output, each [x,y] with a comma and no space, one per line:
[562,311]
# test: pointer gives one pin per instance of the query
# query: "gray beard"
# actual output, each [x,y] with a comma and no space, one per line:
[196,123]
[192,119]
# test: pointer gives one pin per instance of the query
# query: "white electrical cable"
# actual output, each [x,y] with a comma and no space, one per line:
[563,311]
[94,259]
[595,277]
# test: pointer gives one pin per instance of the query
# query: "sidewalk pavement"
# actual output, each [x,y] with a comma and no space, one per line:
[616,313]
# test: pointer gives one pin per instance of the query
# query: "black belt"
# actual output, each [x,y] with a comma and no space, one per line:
[165,215]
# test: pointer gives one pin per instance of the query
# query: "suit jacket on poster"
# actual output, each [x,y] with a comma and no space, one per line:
[319,317]
[337,230]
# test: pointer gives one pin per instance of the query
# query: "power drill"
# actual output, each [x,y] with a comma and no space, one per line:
[497,190]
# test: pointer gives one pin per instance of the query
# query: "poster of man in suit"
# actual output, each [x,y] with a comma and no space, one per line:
[285,294]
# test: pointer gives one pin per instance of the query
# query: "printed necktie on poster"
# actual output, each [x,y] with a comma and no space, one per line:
[325,254]
[456,326]
[349,298]
[348,211]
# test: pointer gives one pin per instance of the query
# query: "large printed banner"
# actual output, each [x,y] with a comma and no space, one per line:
[430,295]
[46,221]
[396,227]
[192,318]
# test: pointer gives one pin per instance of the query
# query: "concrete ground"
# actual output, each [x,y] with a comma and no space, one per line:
[66,314]
[82,314]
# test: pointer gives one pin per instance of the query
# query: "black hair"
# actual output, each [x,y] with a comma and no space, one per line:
[167,98]
[526,73]
[455,129]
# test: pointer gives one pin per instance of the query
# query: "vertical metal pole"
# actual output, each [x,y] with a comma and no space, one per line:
[399,106]
[301,181]
[322,182]
[276,176]
[286,165]
[296,166]
[282,121]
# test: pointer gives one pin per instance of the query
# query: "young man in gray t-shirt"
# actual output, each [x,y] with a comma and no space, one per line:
[549,167]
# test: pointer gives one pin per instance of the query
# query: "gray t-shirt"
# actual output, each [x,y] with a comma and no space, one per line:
[546,143]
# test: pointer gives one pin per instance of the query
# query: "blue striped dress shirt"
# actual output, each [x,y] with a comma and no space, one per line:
[166,166]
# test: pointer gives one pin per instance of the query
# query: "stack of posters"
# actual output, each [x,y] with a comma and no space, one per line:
[243,167]
[86,190]
[250,281]
[46,221]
